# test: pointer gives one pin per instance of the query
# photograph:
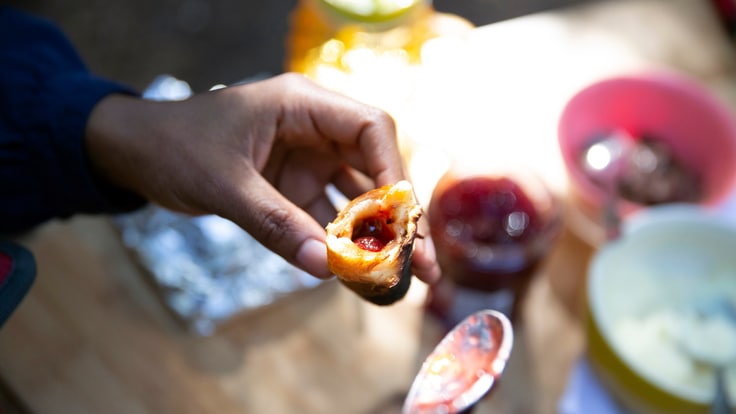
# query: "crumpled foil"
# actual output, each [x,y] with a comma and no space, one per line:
[206,268]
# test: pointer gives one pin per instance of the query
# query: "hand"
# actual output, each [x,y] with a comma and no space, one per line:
[258,154]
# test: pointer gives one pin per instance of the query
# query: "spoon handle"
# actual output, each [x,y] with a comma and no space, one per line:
[611,219]
[721,403]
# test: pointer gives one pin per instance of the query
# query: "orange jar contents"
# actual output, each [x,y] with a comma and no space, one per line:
[367,49]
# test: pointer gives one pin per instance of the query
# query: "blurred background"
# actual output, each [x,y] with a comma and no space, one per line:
[93,336]
[207,42]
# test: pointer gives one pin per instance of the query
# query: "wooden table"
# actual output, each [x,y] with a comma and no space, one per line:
[92,337]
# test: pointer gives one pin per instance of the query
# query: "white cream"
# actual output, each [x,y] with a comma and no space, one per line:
[674,345]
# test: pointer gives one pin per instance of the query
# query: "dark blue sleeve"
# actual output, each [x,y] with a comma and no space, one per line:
[46,97]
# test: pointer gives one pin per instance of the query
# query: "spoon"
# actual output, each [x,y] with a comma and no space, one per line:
[702,321]
[721,403]
[603,162]
[463,367]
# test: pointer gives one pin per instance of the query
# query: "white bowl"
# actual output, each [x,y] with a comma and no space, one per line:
[641,292]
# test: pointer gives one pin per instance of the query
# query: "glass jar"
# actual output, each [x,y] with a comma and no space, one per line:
[491,228]
[367,49]
[322,31]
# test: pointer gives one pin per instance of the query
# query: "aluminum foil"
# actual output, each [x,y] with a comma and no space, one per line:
[206,268]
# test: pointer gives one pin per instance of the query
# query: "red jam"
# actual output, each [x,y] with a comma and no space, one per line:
[484,228]
[373,234]
[370,243]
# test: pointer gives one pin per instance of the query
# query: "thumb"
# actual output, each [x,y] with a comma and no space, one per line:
[280,226]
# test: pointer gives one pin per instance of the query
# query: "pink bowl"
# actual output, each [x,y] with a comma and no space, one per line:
[699,129]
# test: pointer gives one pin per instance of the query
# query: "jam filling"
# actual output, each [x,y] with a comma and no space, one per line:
[373,234]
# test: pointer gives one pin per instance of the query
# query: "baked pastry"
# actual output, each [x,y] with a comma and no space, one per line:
[370,242]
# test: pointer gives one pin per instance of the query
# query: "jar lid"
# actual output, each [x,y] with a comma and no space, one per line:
[371,11]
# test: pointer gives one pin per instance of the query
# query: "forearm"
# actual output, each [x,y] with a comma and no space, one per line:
[119,129]
[154,149]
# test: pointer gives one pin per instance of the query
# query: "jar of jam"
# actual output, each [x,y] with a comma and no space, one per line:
[491,230]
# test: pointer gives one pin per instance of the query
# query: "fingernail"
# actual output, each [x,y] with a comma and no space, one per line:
[312,257]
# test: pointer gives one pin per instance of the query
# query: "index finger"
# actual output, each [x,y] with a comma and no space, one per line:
[352,124]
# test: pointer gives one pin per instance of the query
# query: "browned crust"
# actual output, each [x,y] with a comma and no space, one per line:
[379,277]
[384,294]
